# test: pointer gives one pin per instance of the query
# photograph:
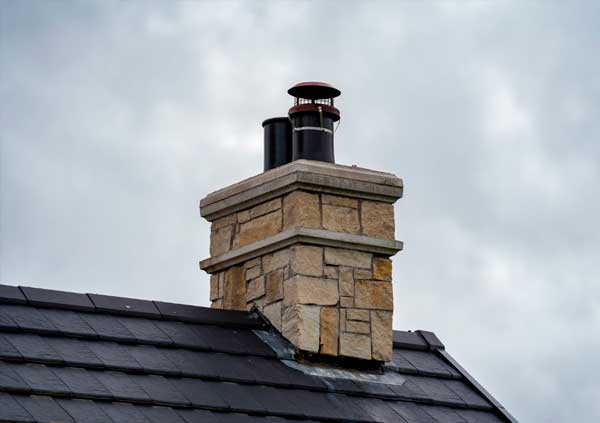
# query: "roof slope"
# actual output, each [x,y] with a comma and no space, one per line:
[67,357]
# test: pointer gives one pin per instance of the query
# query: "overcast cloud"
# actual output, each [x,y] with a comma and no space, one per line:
[117,117]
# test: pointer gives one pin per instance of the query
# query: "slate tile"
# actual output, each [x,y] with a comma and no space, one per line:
[121,386]
[411,412]
[84,411]
[409,340]
[200,393]
[160,389]
[11,380]
[157,414]
[444,414]
[44,409]
[427,362]
[374,388]
[11,294]
[208,315]
[344,406]
[7,350]
[108,327]
[199,416]
[41,379]
[466,393]
[400,363]
[410,389]
[339,385]
[145,330]
[6,322]
[123,413]
[114,356]
[476,416]
[28,318]
[34,347]
[436,390]
[59,299]
[252,343]
[81,382]
[183,335]
[277,372]
[278,401]
[192,363]
[218,339]
[68,322]
[239,397]
[235,368]
[432,340]
[153,360]
[378,409]
[12,411]
[127,306]
[75,352]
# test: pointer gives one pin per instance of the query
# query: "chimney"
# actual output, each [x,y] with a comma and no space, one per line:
[308,242]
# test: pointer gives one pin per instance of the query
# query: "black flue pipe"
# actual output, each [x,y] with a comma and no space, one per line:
[278,142]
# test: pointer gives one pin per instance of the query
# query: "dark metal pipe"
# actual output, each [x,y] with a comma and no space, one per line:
[278,142]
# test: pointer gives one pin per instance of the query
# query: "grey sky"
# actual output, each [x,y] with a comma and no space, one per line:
[117,117]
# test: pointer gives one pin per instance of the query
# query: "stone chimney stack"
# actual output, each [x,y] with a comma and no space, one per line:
[308,244]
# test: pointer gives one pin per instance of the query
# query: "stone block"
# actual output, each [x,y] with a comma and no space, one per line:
[214,287]
[382,269]
[217,304]
[377,219]
[253,263]
[261,209]
[302,289]
[274,285]
[329,331]
[222,222]
[253,272]
[255,289]
[273,313]
[373,295]
[301,326]
[351,258]
[336,200]
[355,345]
[347,302]
[307,260]
[356,314]
[260,228]
[220,240]
[357,327]
[234,287]
[340,219]
[330,272]
[301,209]
[362,274]
[381,335]
[346,279]
[276,260]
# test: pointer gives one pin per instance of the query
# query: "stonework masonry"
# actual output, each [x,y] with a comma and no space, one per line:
[333,299]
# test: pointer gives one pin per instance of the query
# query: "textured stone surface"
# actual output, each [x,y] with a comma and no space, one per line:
[301,325]
[217,304]
[307,260]
[259,210]
[276,260]
[309,290]
[301,209]
[356,314]
[357,327]
[347,301]
[273,313]
[222,222]
[329,330]
[382,269]
[330,272]
[373,295]
[346,279]
[355,345]
[220,240]
[214,287]
[340,219]
[336,200]
[351,258]
[381,335]
[253,272]
[362,274]
[377,219]
[256,288]
[274,285]
[234,295]
[260,228]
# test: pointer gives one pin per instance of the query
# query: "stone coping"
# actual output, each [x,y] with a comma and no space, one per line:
[301,236]
[307,175]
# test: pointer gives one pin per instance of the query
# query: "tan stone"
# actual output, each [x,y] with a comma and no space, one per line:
[301,209]
[377,219]
[357,327]
[381,335]
[273,313]
[243,216]
[362,274]
[253,272]
[259,303]
[300,325]
[217,304]
[274,285]
[330,272]
[347,301]
[356,314]
[276,260]
[351,258]
[302,289]
[340,219]
[261,209]
[329,331]
[253,263]
[222,222]
[256,288]
[234,295]
[355,345]
[307,260]
[374,295]
[260,228]
[346,281]
[220,241]
[336,200]
[214,287]
[382,269]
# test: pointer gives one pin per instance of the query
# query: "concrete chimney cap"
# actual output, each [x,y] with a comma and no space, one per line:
[314,90]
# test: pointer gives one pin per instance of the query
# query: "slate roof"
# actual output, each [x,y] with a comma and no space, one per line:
[68,357]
